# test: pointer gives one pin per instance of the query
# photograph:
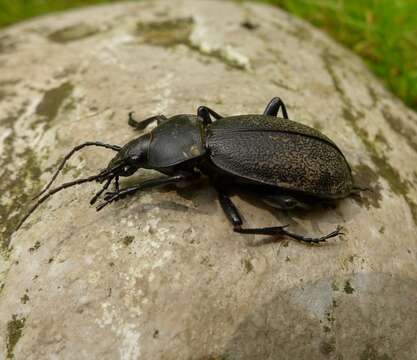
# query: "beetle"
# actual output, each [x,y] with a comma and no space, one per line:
[286,164]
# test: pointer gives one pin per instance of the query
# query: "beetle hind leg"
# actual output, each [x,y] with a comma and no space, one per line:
[234,217]
[273,107]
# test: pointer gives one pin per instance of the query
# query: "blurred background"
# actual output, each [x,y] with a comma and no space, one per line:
[382,32]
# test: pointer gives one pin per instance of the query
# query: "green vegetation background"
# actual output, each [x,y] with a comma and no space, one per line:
[383,32]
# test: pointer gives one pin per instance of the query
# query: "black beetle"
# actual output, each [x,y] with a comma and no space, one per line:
[287,164]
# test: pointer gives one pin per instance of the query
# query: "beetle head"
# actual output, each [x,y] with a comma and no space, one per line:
[128,160]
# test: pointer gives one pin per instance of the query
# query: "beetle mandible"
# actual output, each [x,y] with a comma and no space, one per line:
[287,164]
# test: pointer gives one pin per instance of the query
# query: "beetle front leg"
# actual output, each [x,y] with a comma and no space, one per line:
[273,107]
[234,217]
[140,125]
[204,112]
[117,195]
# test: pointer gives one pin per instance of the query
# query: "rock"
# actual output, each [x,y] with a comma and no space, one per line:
[162,275]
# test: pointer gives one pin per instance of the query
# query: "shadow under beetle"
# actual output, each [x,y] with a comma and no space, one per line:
[287,164]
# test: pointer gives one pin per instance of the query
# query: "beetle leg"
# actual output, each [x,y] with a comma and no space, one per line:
[284,202]
[234,217]
[140,125]
[116,195]
[273,107]
[204,112]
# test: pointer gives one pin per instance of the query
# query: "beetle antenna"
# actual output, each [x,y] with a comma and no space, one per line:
[66,158]
[53,191]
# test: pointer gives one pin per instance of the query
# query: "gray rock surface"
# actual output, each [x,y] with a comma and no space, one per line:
[162,275]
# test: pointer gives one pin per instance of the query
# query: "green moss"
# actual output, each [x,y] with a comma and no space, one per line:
[72,33]
[52,100]
[396,124]
[17,186]
[366,177]
[127,240]
[380,138]
[388,172]
[169,33]
[166,33]
[14,333]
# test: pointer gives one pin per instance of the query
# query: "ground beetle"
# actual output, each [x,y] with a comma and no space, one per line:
[286,164]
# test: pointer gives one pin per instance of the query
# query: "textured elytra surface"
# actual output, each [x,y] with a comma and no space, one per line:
[282,153]
[161,275]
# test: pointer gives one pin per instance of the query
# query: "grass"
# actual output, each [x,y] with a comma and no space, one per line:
[382,32]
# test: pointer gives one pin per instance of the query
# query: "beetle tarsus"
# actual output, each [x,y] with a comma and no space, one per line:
[281,230]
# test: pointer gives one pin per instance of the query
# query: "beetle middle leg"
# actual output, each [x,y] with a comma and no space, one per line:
[140,125]
[204,112]
[234,217]
[273,107]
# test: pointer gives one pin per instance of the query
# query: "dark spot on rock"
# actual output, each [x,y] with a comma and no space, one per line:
[127,240]
[249,25]
[14,332]
[366,177]
[287,258]
[348,288]
[7,44]
[36,246]
[24,299]
[326,329]
[72,33]
[50,260]
[370,353]
[382,229]
[326,348]
[248,265]
[155,334]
